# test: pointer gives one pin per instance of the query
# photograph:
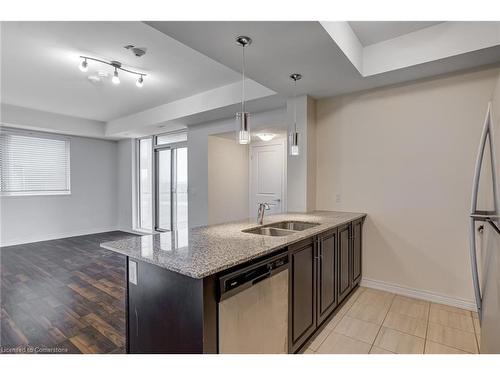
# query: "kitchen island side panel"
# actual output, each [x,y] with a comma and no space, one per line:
[166,312]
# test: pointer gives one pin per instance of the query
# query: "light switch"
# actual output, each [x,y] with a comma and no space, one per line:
[338,198]
[132,272]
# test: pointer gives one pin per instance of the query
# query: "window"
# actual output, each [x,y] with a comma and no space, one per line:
[33,163]
[165,164]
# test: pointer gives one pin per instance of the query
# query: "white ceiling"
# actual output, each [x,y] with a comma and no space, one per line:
[39,67]
[281,48]
[371,32]
[278,49]
[193,62]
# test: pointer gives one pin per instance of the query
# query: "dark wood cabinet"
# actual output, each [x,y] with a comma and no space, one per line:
[345,261]
[323,271]
[356,238]
[327,298]
[303,293]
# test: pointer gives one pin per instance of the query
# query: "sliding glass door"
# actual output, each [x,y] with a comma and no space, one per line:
[168,205]
[171,196]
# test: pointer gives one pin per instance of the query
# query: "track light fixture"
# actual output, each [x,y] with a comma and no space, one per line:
[115,64]
[115,79]
[84,66]
[139,82]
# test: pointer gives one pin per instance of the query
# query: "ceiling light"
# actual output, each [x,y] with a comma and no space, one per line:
[115,64]
[294,136]
[266,137]
[242,117]
[115,79]
[84,66]
[140,82]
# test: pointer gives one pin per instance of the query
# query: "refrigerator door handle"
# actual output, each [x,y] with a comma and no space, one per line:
[472,219]
[475,274]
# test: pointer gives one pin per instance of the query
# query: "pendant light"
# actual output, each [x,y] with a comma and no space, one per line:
[294,136]
[242,117]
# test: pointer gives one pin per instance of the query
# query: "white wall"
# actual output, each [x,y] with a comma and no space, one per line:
[91,207]
[405,155]
[126,205]
[301,169]
[198,163]
[28,118]
[227,180]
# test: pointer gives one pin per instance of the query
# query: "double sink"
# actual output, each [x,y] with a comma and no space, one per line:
[282,228]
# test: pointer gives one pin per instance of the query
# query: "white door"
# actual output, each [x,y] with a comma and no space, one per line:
[267,176]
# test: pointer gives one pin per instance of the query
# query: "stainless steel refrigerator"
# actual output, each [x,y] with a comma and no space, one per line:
[485,228]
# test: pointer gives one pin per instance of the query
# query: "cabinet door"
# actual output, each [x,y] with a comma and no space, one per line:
[356,251]
[327,275]
[303,309]
[345,255]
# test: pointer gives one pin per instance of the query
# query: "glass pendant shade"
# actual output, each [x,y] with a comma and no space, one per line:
[242,123]
[294,143]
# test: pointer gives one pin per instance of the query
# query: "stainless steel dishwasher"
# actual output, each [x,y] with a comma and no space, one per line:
[253,308]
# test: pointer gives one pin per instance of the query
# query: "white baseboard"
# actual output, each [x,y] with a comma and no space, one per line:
[133,231]
[419,294]
[54,236]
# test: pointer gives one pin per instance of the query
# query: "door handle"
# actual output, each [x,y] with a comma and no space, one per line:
[262,278]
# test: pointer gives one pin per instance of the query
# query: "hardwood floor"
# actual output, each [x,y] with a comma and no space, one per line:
[63,296]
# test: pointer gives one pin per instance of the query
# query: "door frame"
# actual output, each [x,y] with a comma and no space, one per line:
[277,141]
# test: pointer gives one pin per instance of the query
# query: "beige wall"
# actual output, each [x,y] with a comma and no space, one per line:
[405,155]
[227,180]
[311,154]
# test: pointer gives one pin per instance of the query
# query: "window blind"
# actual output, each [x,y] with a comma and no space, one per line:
[33,164]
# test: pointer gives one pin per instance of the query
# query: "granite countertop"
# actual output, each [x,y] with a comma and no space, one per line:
[203,251]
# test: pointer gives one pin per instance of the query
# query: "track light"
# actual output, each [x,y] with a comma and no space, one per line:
[140,82]
[115,79]
[84,66]
[117,66]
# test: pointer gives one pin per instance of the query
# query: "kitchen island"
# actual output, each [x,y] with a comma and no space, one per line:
[174,278]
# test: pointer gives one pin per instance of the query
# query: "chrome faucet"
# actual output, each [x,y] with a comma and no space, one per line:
[260,213]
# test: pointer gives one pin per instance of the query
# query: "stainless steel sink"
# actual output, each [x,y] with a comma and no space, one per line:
[268,231]
[282,228]
[292,225]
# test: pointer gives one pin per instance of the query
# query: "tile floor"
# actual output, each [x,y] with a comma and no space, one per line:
[377,322]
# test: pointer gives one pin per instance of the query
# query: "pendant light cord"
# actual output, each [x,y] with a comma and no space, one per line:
[243,81]
[295,105]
